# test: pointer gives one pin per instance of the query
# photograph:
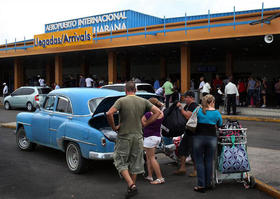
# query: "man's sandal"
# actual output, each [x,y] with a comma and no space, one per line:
[158,181]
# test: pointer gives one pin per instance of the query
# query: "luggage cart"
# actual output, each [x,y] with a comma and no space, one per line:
[224,138]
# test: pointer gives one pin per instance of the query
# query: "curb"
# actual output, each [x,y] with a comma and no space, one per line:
[8,125]
[258,119]
[267,189]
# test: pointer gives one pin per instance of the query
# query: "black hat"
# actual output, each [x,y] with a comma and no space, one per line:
[189,93]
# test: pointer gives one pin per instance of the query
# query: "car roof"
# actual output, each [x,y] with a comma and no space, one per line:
[80,96]
[123,84]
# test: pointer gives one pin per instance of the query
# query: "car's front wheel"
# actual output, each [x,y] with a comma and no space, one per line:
[75,162]
[7,106]
[29,106]
[22,141]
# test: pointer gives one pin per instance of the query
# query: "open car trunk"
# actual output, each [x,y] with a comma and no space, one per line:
[99,119]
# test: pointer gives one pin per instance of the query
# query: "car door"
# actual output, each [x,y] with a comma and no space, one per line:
[26,96]
[62,114]
[15,97]
[41,121]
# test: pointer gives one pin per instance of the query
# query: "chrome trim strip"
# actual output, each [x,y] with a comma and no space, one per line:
[100,156]
[76,140]
[50,129]
[24,123]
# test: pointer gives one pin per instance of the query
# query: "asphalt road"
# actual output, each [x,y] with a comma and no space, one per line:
[43,174]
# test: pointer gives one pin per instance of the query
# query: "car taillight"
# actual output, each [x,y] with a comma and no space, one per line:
[103,141]
[37,98]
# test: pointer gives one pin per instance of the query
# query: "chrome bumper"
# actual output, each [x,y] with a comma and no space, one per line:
[100,156]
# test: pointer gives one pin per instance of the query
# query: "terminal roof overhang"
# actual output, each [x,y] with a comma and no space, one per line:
[206,27]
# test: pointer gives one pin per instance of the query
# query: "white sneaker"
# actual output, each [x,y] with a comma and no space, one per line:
[263,106]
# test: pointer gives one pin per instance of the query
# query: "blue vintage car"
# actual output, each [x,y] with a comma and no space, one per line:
[72,120]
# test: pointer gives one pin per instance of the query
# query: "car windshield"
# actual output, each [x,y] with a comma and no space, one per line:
[44,90]
[93,103]
[146,88]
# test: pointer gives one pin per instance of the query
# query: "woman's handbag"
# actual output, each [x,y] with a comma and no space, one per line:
[192,122]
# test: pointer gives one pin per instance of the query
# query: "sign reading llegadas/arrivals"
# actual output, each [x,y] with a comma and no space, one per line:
[72,37]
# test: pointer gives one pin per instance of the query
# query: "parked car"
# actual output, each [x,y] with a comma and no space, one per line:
[72,120]
[26,97]
[140,87]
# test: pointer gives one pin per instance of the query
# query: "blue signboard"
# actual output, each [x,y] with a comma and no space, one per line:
[106,22]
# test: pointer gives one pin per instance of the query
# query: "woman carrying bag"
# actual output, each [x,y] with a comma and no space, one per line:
[205,142]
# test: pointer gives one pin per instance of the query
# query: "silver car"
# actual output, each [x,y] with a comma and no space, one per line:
[26,97]
[142,87]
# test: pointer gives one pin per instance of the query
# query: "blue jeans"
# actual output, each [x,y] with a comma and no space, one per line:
[204,148]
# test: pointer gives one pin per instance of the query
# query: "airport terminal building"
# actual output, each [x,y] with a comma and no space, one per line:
[120,45]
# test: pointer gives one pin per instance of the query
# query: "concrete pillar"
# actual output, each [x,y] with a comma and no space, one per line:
[185,69]
[163,68]
[229,68]
[58,70]
[112,67]
[18,73]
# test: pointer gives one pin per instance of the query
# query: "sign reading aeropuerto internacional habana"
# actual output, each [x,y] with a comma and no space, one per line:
[79,31]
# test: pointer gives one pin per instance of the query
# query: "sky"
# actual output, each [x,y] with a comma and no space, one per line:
[21,19]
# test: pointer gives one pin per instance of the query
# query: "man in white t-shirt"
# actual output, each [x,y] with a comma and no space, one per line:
[89,82]
[231,92]
[206,89]
[41,81]
[201,86]
[5,90]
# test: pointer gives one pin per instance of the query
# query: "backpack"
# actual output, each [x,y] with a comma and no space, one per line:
[174,122]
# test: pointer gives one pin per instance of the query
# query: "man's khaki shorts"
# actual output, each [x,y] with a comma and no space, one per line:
[128,155]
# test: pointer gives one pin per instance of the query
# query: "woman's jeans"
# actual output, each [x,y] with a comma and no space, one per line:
[204,148]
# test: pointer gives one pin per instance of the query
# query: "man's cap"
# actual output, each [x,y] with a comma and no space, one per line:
[4,83]
[189,93]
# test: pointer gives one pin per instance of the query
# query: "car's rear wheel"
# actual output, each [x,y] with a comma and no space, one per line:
[29,106]
[75,162]
[22,141]
[7,106]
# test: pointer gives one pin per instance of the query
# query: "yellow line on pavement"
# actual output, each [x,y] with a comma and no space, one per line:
[267,189]
[259,119]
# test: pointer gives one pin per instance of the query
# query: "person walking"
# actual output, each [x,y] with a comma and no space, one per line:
[242,92]
[202,82]
[264,92]
[251,92]
[185,147]
[128,154]
[82,82]
[277,91]
[56,86]
[89,82]
[205,142]
[231,93]
[152,139]
[41,81]
[206,89]
[168,91]
[5,90]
